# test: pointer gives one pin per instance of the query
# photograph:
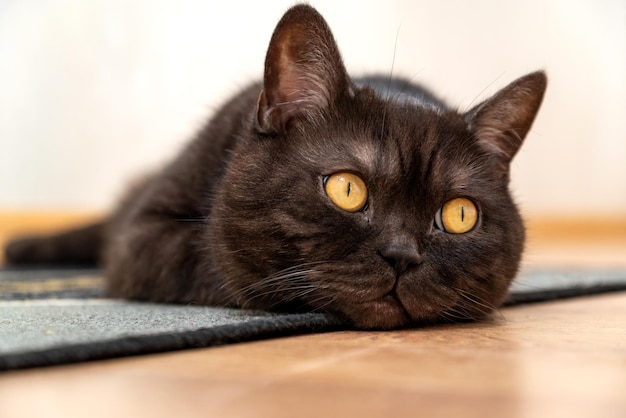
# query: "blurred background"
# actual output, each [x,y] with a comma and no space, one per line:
[94,93]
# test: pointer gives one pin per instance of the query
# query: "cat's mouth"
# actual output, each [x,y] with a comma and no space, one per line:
[392,297]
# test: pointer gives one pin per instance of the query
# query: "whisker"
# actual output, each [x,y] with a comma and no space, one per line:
[200,220]
[393,62]
[452,315]
[469,106]
[321,302]
[484,307]
[289,284]
[476,301]
[388,98]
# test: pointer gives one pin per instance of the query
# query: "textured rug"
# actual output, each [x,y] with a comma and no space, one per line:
[50,317]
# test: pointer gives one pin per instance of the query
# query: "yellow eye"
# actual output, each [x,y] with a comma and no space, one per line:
[347,191]
[457,216]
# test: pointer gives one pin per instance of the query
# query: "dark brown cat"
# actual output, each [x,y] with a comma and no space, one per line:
[365,198]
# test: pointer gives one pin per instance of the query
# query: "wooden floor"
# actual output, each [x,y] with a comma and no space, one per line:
[558,359]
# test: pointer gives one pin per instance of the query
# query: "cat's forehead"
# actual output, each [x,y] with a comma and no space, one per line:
[393,141]
[409,133]
[416,146]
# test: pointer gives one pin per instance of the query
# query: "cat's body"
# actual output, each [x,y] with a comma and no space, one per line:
[247,214]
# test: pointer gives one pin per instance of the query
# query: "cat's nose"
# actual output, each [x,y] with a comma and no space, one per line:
[401,256]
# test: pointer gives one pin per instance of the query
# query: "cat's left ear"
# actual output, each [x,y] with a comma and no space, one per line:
[304,73]
[501,123]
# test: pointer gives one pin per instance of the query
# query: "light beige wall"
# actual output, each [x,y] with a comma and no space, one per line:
[95,92]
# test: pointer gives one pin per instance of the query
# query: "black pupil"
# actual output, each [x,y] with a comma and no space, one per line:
[349,188]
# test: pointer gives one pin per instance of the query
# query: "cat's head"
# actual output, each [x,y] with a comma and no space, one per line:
[373,207]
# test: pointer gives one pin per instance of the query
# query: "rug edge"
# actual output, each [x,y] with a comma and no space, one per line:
[254,330]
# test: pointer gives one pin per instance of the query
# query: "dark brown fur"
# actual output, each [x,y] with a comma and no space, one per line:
[241,218]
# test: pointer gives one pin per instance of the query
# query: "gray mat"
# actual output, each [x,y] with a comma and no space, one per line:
[51,317]
[43,324]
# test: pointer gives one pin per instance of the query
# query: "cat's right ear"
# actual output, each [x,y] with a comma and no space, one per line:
[501,122]
[304,73]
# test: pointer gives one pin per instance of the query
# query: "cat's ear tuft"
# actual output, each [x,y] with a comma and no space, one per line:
[304,73]
[501,123]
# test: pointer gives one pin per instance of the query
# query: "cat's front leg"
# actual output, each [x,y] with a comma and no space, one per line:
[152,257]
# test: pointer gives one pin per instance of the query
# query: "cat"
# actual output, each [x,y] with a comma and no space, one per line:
[367,198]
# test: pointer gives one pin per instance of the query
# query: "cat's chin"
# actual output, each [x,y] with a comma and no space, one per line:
[382,314]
